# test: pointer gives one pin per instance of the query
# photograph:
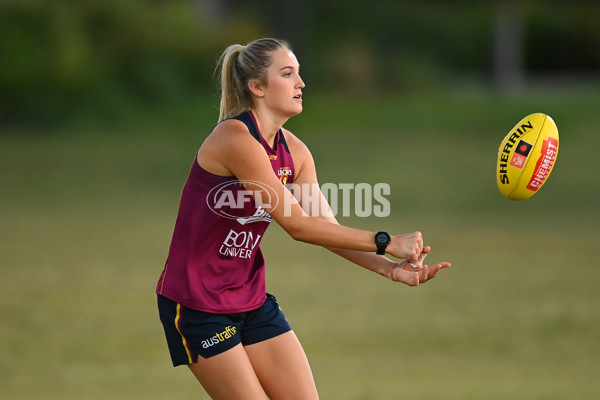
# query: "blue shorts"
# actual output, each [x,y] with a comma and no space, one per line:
[191,333]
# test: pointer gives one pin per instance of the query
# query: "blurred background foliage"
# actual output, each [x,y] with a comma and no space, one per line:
[67,58]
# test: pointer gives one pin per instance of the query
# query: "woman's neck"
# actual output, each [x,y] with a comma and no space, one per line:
[268,124]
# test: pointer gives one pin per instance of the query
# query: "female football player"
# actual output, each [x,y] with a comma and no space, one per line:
[217,316]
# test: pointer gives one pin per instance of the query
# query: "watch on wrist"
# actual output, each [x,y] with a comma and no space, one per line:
[382,239]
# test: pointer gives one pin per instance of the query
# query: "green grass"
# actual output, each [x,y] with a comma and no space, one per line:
[87,216]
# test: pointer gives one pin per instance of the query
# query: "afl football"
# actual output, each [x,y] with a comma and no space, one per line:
[526,156]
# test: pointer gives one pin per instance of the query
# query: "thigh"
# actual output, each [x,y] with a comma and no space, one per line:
[282,368]
[228,376]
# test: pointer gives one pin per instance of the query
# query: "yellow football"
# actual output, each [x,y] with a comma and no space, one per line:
[526,156]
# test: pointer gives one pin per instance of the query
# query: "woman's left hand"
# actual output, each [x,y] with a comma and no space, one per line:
[414,273]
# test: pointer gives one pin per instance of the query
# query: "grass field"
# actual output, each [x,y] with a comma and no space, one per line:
[87,213]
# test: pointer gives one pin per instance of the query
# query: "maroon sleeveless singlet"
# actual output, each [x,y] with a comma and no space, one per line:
[215,263]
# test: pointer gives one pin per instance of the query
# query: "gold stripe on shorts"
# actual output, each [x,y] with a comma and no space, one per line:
[185,342]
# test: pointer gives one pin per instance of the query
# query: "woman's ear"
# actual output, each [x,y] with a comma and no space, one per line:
[256,87]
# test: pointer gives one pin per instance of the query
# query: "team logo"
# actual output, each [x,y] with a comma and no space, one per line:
[284,174]
[520,155]
[231,200]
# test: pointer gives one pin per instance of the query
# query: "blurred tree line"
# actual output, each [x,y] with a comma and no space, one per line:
[59,58]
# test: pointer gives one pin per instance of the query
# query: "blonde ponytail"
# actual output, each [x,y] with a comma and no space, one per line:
[231,90]
[240,64]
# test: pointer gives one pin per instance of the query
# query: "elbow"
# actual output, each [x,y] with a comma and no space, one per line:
[298,235]
[298,232]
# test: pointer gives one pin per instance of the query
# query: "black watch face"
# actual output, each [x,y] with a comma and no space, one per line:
[382,238]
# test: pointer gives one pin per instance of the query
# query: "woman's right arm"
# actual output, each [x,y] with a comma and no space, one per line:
[230,150]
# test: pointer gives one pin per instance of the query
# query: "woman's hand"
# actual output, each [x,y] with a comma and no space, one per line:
[413,273]
[408,245]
